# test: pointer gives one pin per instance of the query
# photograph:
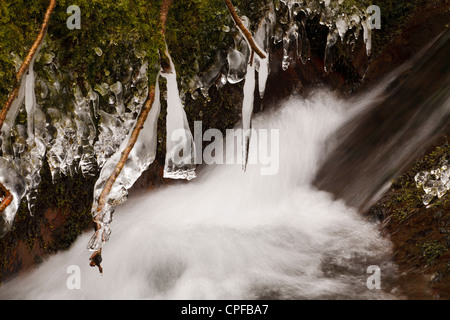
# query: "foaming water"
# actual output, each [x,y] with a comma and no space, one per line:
[234,235]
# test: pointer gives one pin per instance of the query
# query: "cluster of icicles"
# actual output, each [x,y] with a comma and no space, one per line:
[70,142]
[343,23]
[435,183]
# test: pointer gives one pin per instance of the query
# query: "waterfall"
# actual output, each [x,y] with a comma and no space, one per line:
[377,145]
[235,235]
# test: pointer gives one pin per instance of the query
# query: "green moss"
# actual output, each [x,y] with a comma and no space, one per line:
[432,250]
[406,196]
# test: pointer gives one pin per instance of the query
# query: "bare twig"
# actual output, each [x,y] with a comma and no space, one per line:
[96,260]
[96,257]
[244,30]
[126,152]
[7,199]
[163,15]
[139,125]
[14,93]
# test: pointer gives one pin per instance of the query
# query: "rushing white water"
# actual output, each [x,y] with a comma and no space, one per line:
[233,235]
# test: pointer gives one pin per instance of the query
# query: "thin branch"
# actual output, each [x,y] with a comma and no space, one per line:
[7,199]
[244,30]
[163,15]
[96,260]
[126,152]
[139,125]
[96,257]
[14,93]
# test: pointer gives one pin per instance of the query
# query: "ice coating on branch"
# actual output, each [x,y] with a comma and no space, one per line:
[11,179]
[116,123]
[16,185]
[61,124]
[180,147]
[139,159]
[22,146]
[262,37]
[36,143]
[435,183]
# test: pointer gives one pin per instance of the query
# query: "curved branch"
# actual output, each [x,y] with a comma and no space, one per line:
[139,124]
[13,95]
[244,30]
[163,15]
[96,257]
[126,152]
[7,199]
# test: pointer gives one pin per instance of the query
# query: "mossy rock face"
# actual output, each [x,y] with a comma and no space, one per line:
[420,234]
[63,212]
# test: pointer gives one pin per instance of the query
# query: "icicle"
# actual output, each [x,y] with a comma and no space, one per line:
[180,145]
[247,110]
[9,122]
[36,143]
[30,101]
[139,159]
[342,27]
[290,40]
[331,41]
[367,37]
[236,66]
[263,75]
[262,39]
[28,149]
[305,52]
[85,133]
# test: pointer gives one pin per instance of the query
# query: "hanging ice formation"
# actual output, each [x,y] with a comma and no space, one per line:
[343,23]
[180,153]
[435,183]
[62,130]
[141,156]
[243,65]
[23,149]
[180,147]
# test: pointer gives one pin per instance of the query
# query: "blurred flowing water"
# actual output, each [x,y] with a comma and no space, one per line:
[235,235]
[230,234]
[410,114]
